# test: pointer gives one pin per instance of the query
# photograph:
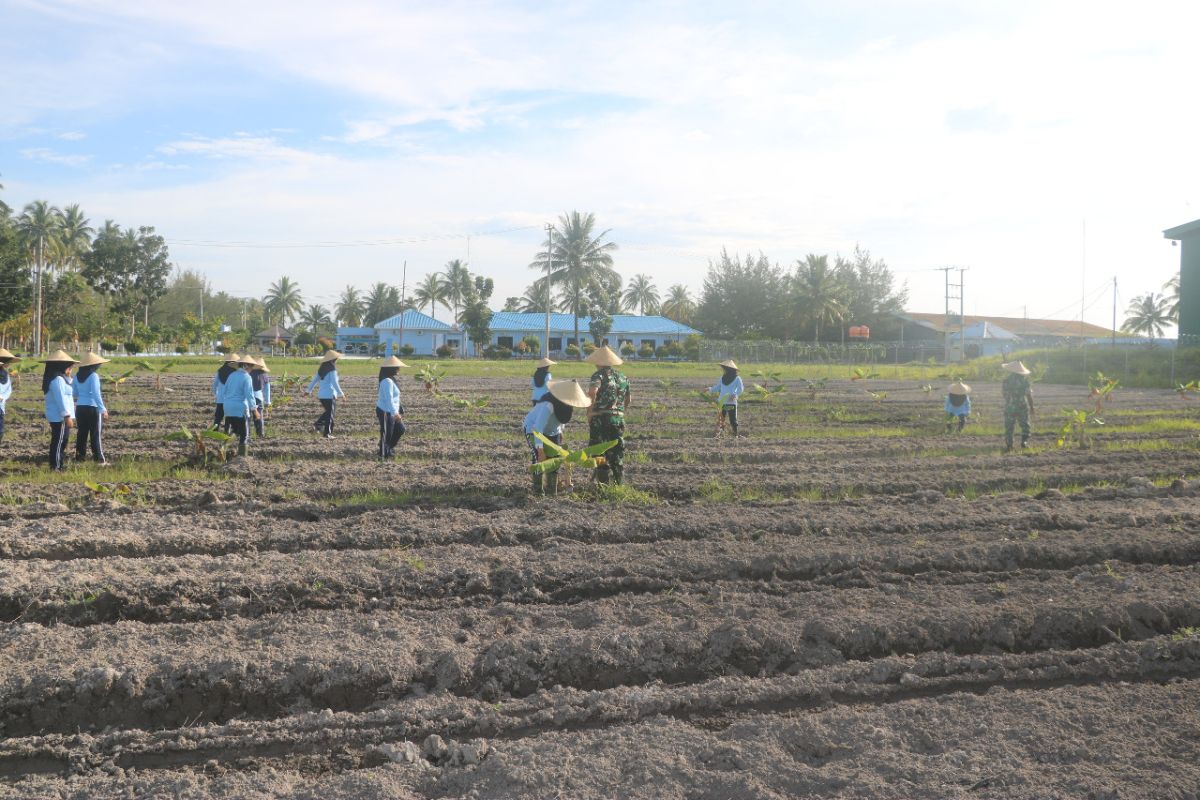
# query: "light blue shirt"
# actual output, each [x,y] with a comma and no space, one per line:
[329,389]
[729,393]
[541,419]
[239,394]
[218,389]
[5,392]
[263,394]
[958,411]
[537,391]
[87,393]
[389,397]
[59,401]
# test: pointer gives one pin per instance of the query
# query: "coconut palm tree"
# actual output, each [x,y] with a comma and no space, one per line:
[816,293]
[1172,288]
[641,294]
[38,225]
[349,309]
[316,319]
[679,305]
[1148,314]
[382,301]
[534,299]
[283,300]
[577,259]
[75,238]
[430,292]
[458,285]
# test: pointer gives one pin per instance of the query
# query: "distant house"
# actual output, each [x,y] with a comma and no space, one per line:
[986,339]
[424,333]
[510,327]
[917,326]
[276,335]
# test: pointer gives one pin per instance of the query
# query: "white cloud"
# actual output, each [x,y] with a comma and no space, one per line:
[72,136]
[49,156]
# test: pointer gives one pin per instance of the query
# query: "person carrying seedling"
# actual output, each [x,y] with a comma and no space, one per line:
[262,394]
[728,389]
[239,403]
[958,406]
[609,392]
[90,411]
[547,417]
[6,384]
[389,409]
[60,405]
[226,369]
[328,392]
[1018,403]
[541,377]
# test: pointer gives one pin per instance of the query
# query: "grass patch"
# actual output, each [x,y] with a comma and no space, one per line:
[122,470]
[717,491]
[620,494]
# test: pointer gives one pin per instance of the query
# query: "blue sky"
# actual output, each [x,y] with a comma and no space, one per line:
[1042,144]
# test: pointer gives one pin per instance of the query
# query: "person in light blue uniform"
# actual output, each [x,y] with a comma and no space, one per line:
[60,405]
[728,390]
[548,417]
[218,388]
[239,406]
[541,380]
[388,409]
[328,392]
[6,384]
[90,411]
[958,406]
[260,378]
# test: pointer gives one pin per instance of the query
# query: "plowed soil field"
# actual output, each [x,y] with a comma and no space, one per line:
[846,602]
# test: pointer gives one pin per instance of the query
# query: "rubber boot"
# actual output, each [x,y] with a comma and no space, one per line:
[618,474]
[602,474]
[1024,442]
[538,481]
[552,484]
[243,449]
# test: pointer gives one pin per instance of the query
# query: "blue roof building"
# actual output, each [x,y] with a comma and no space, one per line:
[424,333]
[509,327]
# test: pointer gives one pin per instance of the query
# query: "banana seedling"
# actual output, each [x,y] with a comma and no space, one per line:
[1100,386]
[863,374]
[469,405]
[115,381]
[814,385]
[587,458]
[102,489]
[927,389]
[1075,430]
[1189,388]
[16,369]
[285,388]
[763,375]
[431,376]
[708,397]
[765,393]
[878,397]
[206,444]
[158,370]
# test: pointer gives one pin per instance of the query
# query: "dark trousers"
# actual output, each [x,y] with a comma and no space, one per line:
[88,420]
[240,428]
[543,482]
[59,434]
[260,424]
[390,431]
[324,423]
[730,410]
[1,426]
[605,428]
[218,416]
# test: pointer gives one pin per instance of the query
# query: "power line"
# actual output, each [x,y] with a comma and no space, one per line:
[351,243]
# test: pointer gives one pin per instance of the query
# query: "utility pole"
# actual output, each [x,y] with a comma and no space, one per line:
[954,291]
[37,312]
[549,267]
[1114,333]
[403,289]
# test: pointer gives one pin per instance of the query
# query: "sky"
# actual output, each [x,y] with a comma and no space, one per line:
[1041,145]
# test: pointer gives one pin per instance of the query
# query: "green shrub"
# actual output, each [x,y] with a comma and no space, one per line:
[627,349]
[532,343]
[406,350]
[108,347]
[497,352]
[133,346]
[446,351]
[646,351]
[588,348]
[572,350]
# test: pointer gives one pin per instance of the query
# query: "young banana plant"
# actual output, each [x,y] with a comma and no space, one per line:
[159,370]
[115,381]
[205,443]
[587,458]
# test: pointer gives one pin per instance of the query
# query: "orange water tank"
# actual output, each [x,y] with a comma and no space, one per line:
[860,332]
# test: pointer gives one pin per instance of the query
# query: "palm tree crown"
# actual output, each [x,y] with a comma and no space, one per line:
[315,318]
[641,294]
[817,293]
[349,309]
[430,292]
[457,285]
[679,305]
[577,261]
[74,237]
[1172,287]
[1148,314]
[283,300]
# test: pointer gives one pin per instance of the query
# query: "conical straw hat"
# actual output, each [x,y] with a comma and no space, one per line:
[604,357]
[7,356]
[958,387]
[1016,367]
[729,363]
[233,358]
[571,393]
[545,362]
[248,360]
[392,361]
[91,358]
[261,363]
[330,355]
[59,356]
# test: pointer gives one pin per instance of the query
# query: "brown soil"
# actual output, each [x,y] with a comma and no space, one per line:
[806,612]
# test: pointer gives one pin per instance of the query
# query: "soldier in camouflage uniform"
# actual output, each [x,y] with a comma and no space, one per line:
[609,391]
[1018,403]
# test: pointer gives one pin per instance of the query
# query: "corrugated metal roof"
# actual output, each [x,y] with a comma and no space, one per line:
[355,331]
[623,324]
[1064,328]
[1183,231]
[413,320]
